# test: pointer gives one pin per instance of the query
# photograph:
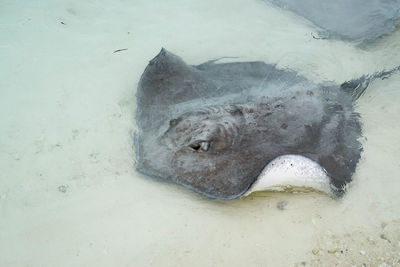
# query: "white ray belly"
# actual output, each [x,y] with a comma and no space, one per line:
[292,173]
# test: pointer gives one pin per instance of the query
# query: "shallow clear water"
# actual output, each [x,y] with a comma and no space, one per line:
[69,194]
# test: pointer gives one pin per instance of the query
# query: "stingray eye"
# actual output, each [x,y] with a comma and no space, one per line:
[200,146]
[174,122]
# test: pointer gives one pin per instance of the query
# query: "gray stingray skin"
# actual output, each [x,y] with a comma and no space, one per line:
[213,127]
[359,20]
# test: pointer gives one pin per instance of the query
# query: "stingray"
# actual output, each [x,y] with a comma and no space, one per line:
[218,128]
[355,20]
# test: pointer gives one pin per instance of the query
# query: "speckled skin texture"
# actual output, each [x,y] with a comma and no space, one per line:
[213,127]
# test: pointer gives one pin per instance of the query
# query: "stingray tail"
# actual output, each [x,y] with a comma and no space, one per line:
[358,86]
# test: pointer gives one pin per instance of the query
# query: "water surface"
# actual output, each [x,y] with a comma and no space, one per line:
[69,194]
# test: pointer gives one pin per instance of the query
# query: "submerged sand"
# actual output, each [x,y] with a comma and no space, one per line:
[69,194]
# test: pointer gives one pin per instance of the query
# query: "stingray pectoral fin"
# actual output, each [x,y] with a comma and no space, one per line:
[293,173]
[357,87]
[168,80]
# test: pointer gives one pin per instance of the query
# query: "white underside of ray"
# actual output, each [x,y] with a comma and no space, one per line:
[294,173]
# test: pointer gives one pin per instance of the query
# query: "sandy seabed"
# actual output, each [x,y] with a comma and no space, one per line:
[69,194]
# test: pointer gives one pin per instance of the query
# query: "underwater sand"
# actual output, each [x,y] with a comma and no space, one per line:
[69,194]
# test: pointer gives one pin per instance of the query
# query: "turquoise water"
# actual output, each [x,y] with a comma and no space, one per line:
[69,194]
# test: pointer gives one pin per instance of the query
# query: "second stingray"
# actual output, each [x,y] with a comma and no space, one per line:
[214,128]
